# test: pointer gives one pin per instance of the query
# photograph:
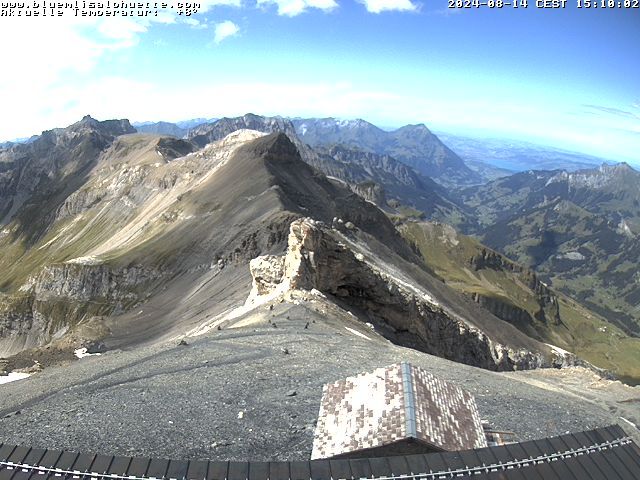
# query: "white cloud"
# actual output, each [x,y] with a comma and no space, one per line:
[196,24]
[206,5]
[224,30]
[122,30]
[45,54]
[378,6]
[291,8]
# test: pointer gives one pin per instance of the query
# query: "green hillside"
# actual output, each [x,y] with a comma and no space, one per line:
[515,294]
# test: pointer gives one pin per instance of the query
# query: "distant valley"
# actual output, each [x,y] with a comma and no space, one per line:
[578,230]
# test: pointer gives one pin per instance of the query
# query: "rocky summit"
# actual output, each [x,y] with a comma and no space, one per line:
[187,287]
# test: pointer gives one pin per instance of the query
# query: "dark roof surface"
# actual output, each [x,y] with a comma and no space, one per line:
[605,453]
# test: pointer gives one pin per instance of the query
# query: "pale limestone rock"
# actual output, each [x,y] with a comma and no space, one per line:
[317,260]
[267,272]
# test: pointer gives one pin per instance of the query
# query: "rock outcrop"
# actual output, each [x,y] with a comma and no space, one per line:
[320,258]
[370,191]
[58,298]
[548,311]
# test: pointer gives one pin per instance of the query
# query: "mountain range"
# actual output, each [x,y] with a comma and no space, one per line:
[379,177]
[178,129]
[98,202]
[413,145]
[518,294]
[239,268]
[136,236]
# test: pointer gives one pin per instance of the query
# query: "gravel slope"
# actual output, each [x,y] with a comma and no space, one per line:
[185,401]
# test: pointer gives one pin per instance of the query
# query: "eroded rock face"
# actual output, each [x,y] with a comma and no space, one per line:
[549,309]
[267,271]
[316,258]
[503,309]
[82,282]
[370,191]
[55,300]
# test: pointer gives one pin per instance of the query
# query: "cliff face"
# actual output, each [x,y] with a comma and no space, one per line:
[548,308]
[320,258]
[125,219]
[53,301]
[82,281]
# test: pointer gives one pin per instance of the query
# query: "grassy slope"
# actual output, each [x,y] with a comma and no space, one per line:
[604,279]
[582,332]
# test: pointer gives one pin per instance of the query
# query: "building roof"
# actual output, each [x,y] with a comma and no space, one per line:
[392,404]
[601,454]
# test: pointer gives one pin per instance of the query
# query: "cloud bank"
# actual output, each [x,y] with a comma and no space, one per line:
[225,30]
[379,6]
[292,8]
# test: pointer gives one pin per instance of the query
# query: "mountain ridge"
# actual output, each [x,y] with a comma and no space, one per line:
[413,145]
[225,284]
[248,185]
[154,213]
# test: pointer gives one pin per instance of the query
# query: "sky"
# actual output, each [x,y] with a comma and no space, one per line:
[564,77]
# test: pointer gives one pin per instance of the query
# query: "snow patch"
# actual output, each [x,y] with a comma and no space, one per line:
[82,352]
[572,256]
[357,333]
[13,376]
[88,260]
[558,350]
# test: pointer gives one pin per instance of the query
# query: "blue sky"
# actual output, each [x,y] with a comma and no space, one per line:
[563,77]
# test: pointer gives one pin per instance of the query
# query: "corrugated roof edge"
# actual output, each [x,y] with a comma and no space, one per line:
[607,453]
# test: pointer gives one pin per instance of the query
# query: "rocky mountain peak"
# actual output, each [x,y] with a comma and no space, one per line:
[603,176]
[618,168]
[35,168]
[277,147]
[112,128]
[415,128]
[358,123]
[87,119]
[211,132]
